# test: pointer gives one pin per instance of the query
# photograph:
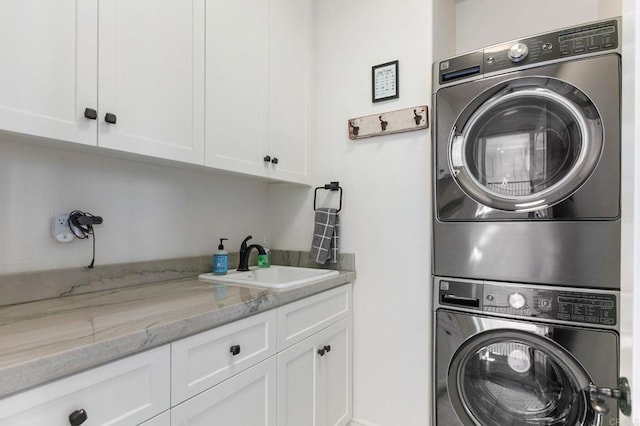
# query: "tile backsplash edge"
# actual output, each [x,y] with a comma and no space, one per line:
[39,285]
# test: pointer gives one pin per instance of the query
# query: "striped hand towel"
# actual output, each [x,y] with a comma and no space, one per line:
[325,243]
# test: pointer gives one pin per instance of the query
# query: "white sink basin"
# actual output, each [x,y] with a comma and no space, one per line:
[278,277]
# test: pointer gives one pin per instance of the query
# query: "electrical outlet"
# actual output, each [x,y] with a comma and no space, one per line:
[60,228]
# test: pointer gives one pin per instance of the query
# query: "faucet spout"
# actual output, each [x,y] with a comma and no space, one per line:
[245,251]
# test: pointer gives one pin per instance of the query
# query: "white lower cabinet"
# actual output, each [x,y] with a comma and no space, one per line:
[201,361]
[163,419]
[124,392]
[315,379]
[247,399]
[290,366]
[313,384]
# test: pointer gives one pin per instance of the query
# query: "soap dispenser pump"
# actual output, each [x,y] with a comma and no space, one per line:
[221,259]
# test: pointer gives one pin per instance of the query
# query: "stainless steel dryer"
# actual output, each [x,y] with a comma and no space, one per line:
[527,160]
[511,354]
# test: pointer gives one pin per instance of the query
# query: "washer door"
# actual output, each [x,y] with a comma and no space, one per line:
[526,144]
[512,377]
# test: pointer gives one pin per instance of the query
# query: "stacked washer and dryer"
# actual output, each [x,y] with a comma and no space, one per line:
[526,231]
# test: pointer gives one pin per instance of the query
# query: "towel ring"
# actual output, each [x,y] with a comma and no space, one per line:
[333,186]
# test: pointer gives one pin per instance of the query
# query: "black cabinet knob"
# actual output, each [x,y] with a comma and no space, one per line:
[274,160]
[77,417]
[110,118]
[90,113]
[267,159]
[235,350]
[324,350]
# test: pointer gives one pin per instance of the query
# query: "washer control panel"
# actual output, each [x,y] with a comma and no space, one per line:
[563,305]
[589,307]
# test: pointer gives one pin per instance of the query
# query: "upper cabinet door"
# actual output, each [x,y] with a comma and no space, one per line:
[49,73]
[151,88]
[290,32]
[237,85]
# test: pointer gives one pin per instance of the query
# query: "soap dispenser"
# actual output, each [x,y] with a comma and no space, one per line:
[220,259]
[264,260]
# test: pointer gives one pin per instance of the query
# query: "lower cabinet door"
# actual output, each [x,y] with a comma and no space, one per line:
[336,374]
[297,389]
[125,392]
[315,379]
[163,419]
[247,399]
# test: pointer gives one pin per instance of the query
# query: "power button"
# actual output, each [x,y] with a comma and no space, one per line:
[544,304]
[547,47]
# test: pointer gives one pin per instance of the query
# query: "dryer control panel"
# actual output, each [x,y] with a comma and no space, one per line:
[592,38]
[557,304]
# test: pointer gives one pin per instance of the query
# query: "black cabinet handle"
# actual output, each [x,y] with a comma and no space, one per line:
[274,160]
[267,158]
[235,350]
[110,118]
[90,113]
[77,417]
[324,350]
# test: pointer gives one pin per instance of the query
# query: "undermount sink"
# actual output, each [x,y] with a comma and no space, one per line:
[277,277]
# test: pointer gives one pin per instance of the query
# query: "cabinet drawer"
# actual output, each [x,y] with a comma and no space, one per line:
[204,360]
[305,317]
[124,392]
[248,399]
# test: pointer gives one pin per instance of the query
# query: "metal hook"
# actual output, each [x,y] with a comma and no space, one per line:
[383,124]
[354,129]
[417,117]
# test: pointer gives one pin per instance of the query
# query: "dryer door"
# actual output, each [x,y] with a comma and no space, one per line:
[511,377]
[525,144]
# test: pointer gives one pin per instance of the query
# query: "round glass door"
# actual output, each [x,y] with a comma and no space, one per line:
[510,377]
[526,144]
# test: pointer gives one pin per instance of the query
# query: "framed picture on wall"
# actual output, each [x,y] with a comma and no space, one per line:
[385,84]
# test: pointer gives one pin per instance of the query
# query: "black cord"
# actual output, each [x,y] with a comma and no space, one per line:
[81,225]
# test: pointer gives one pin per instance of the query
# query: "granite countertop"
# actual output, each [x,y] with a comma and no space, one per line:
[47,339]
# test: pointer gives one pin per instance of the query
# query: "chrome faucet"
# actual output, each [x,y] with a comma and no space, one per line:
[245,251]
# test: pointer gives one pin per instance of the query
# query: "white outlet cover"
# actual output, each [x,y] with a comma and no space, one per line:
[60,228]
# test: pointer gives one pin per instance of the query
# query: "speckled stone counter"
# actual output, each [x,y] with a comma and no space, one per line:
[47,339]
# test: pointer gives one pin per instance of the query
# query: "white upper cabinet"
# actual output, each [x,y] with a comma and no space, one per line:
[151,67]
[257,81]
[49,70]
[236,85]
[221,83]
[290,24]
[148,54]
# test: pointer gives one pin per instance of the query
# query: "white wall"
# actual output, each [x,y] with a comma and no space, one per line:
[150,211]
[482,23]
[386,207]
[630,243]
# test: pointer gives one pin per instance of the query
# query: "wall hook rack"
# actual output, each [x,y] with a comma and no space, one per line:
[383,124]
[333,186]
[354,129]
[403,120]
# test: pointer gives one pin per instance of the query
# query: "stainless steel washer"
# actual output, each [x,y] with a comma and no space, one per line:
[513,354]
[527,160]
